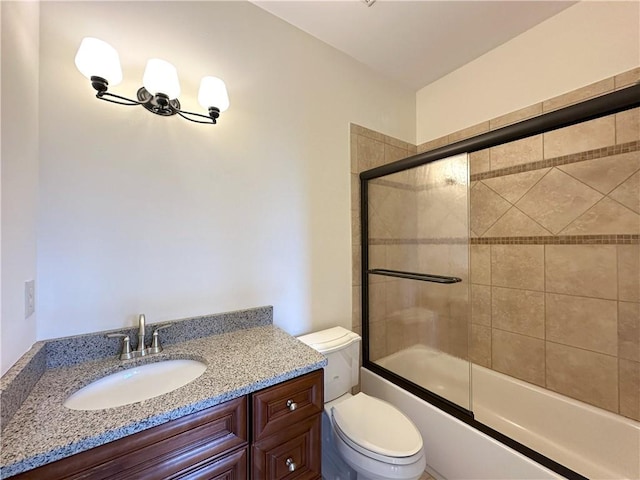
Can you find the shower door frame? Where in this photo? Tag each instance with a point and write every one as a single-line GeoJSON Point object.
{"type": "Point", "coordinates": [608, 104]}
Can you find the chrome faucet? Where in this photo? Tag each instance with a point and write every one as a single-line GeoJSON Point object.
{"type": "Point", "coordinates": [141, 349]}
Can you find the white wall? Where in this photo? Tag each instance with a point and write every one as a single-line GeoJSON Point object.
{"type": "Point", "coordinates": [19, 153]}
{"type": "Point", "coordinates": [585, 43]}
{"type": "Point", "coordinates": [140, 213]}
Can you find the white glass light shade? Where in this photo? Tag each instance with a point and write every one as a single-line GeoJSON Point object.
{"type": "Point", "coordinates": [97, 58]}
{"type": "Point", "coordinates": [161, 77]}
{"type": "Point", "coordinates": [213, 93]}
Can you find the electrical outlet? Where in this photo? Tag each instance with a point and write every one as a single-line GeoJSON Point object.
{"type": "Point", "coordinates": [29, 298]}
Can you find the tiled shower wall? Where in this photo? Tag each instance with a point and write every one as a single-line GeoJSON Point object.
{"type": "Point", "coordinates": [555, 251]}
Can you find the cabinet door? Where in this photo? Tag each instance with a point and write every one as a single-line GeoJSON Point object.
{"type": "Point", "coordinates": [279, 406]}
{"type": "Point", "coordinates": [293, 453]}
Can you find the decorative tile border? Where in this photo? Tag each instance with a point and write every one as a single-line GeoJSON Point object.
{"type": "Point", "coordinates": [617, 239]}
{"type": "Point", "coordinates": [563, 160]}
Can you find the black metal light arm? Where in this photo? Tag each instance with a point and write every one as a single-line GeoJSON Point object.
{"type": "Point", "coordinates": [159, 104]}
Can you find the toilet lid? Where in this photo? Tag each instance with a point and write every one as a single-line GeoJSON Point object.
{"type": "Point", "coordinates": [377, 426]}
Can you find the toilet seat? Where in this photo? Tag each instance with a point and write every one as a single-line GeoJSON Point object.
{"type": "Point", "coordinates": [376, 429]}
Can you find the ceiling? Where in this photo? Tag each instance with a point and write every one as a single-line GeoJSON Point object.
{"type": "Point", "coordinates": [414, 42]}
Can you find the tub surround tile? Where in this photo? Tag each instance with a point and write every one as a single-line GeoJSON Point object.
{"type": "Point", "coordinates": [236, 366]}
{"type": "Point", "coordinates": [584, 136]}
{"type": "Point", "coordinates": [479, 161]}
{"type": "Point", "coordinates": [515, 223]}
{"type": "Point", "coordinates": [517, 116]}
{"type": "Point", "coordinates": [433, 144]}
{"type": "Point", "coordinates": [629, 331]}
{"type": "Point", "coordinates": [628, 126]}
{"type": "Point", "coordinates": [518, 266]}
{"type": "Point", "coordinates": [588, 323]}
{"type": "Point", "coordinates": [607, 217]}
{"type": "Point", "coordinates": [604, 174]}
{"type": "Point", "coordinates": [557, 200]}
{"type": "Point", "coordinates": [469, 132]}
{"type": "Point", "coordinates": [353, 153]}
{"type": "Point", "coordinates": [628, 193]}
{"type": "Point", "coordinates": [513, 187]}
{"type": "Point", "coordinates": [370, 153]}
{"type": "Point", "coordinates": [486, 207]}
{"type": "Point", "coordinates": [581, 94]}
{"type": "Point", "coordinates": [584, 375]}
{"type": "Point", "coordinates": [481, 305]}
{"type": "Point", "coordinates": [515, 153]}
{"type": "Point", "coordinates": [519, 356]}
{"type": "Point", "coordinates": [583, 270]}
{"type": "Point", "coordinates": [630, 389]}
{"type": "Point", "coordinates": [480, 264]}
{"type": "Point", "coordinates": [628, 272]}
{"type": "Point", "coordinates": [480, 348]}
{"type": "Point", "coordinates": [393, 153]}
{"type": "Point", "coordinates": [627, 79]}
{"type": "Point", "coordinates": [518, 311]}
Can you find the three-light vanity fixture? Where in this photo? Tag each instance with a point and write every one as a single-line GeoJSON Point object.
{"type": "Point", "coordinates": [100, 63]}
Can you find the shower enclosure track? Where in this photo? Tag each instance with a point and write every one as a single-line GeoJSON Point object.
{"type": "Point", "coordinates": [609, 104]}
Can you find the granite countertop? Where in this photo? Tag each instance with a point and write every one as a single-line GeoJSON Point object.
{"type": "Point", "coordinates": [239, 362]}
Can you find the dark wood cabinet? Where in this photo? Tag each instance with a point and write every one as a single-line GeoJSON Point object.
{"type": "Point", "coordinates": [214, 444]}
{"type": "Point", "coordinates": [287, 429]}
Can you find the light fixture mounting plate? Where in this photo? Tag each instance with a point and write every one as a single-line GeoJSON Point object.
{"type": "Point", "coordinates": [158, 104]}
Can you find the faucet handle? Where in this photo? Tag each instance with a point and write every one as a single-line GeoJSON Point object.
{"type": "Point", "coordinates": [156, 347]}
{"type": "Point", "coordinates": [126, 353]}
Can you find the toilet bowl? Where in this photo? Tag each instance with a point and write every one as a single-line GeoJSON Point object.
{"type": "Point", "coordinates": [368, 439]}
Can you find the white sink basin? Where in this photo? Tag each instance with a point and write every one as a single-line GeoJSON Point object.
{"type": "Point", "coordinates": [135, 384]}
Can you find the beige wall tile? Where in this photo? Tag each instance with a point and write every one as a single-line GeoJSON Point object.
{"type": "Point", "coordinates": [519, 152]}
{"type": "Point", "coordinates": [355, 192]}
{"type": "Point", "coordinates": [587, 376]}
{"type": "Point", "coordinates": [356, 234]}
{"type": "Point", "coordinates": [356, 307]}
{"type": "Point", "coordinates": [480, 262]}
{"type": "Point", "coordinates": [518, 266]}
{"type": "Point", "coordinates": [393, 153]}
{"type": "Point", "coordinates": [377, 340]}
{"type": "Point", "coordinates": [629, 273]}
{"type": "Point", "coordinates": [629, 331]}
{"type": "Point", "coordinates": [481, 305]}
{"type": "Point", "coordinates": [584, 270]}
{"type": "Point", "coordinates": [469, 132]}
{"type": "Point", "coordinates": [579, 95]}
{"type": "Point", "coordinates": [518, 311]}
{"type": "Point", "coordinates": [412, 149]}
{"type": "Point", "coordinates": [377, 302]}
{"type": "Point", "coordinates": [433, 144]}
{"type": "Point", "coordinates": [519, 356]}
{"type": "Point", "coordinates": [377, 259]}
{"type": "Point", "coordinates": [366, 132]}
{"type": "Point", "coordinates": [479, 161]}
{"type": "Point", "coordinates": [607, 217]}
{"type": "Point", "coordinates": [517, 116]}
{"type": "Point", "coordinates": [627, 78]}
{"type": "Point", "coordinates": [628, 194]}
{"type": "Point", "coordinates": [486, 207]}
{"type": "Point", "coordinates": [370, 153]}
{"type": "Point", "coordinates": [583, 322]}
{"type": "Point", "coordinates": [353, 153]}
{"type": "Point", "coordinates": [513, 187]}
{"type": "Point", "coordinates": [628, 126]}
{"type": "Point", "coordinates": [557, 200]}
{"type": "Point", "coordinates": [584, 136]}
{"type": "Point", "coordinates": [630, 389]}
{"type": "Point", "coordinates": [605, 173]}
{"type": "Point", "coordinates": [356, 265]}
{"type": "Point", "coordinates": [480, 348]}
{"type": "Point", "coordinates": [514, 223]}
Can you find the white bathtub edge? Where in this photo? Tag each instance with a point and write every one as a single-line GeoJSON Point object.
{"type": "Point", "coordinates": [454, 449]}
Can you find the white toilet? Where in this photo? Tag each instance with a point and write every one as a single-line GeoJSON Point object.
{"type": "Point", "coordinates": [363, 437]}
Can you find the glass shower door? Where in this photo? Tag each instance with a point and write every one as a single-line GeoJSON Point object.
{"type": "Point", "coordinates": [417, 273]}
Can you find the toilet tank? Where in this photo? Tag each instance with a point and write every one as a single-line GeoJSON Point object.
{"type": "Point", "coordinates": [342, 349]}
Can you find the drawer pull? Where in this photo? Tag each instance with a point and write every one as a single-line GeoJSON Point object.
{"type": "Point", "coordinates": [291, 405]}
{"type": "Point", "coordinates": [290, 464]}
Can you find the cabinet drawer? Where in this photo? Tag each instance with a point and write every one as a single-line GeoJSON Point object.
{"type": "Point", "coordinates": [159, 452]}
{"type": "Point", "coordinates": [230, 467]}
{"type": "Point", "coordinates": [277, 407]}
{"type": "Point", "coordinates": [294, 453]}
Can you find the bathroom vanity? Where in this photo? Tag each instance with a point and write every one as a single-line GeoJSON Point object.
{"type": "Point", "coordinates": [254, 413]}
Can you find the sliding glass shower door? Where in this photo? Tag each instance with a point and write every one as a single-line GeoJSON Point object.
{"type": "Point", "coordinates": [418, 272]}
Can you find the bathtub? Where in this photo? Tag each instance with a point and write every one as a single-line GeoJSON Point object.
{"type": "Point", "coordinates": [586, 439]}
